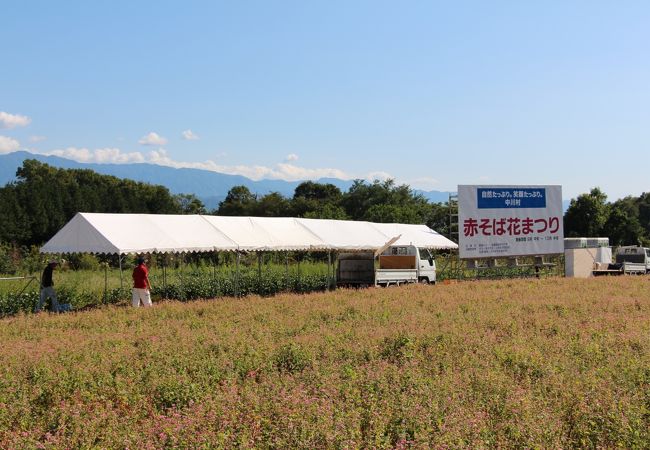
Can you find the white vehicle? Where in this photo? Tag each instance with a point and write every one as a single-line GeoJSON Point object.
{"type": "Point", "coordinates": [397, 265]}
{"type": "Point", "coordinates": [633, 259]}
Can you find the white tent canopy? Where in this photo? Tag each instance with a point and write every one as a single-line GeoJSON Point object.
{"type": "Point", "coordinates": [266, 233]}
{"type": "Point", "coordinates": [157, 233]}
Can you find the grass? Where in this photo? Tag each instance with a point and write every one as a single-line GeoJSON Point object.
{"type": "Point", "coordinates": [512, 363]}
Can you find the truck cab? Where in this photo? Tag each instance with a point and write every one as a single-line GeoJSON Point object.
{"type": "Point", "coordinates": [398, 264]}
{"type": "Point", "coordinates": [410, 257]}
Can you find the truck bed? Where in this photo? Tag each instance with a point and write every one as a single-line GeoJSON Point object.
{"type": "Point", "coordinates": [625, 268]}
{"type": "Point", "coordinates": [634, 268]}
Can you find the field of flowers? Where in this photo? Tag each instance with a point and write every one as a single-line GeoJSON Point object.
{"type": "Point", "coordinates": [512, 363]}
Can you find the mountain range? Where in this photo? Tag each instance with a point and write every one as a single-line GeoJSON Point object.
{"type": "Point", "coordinates": [211, 187]}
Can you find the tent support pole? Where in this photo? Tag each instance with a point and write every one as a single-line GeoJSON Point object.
{"type": "Point", "coordinates": [165, 275]}
{"type": "Point", "coordinates": [286, 268]}
{"type": "Point", "coordinates": [182, 266]}
{"type": "Point", "coordinates": [216, 264]}
{"type": "Point", "coordinates": [259, 271]}
{"type": "Point", "coordinates": [237, 275]}
{"type": "Point", "coordinates": [105, 283]}
{"type": "Point", "coordinates": [329, 263]}
{"type": "Point", "coordinates": [121, 279]}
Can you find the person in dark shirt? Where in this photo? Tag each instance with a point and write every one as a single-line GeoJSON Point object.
{"type": "Point", "coordinates": [47, 288]}
{"type": "Point", "coordinates": [141, 284]}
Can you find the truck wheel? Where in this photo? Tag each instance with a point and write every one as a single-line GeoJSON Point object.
{"type": "Point", "coordinates": [424, 280]}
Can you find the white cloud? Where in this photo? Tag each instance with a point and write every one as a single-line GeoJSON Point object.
{"type": "Point", "coordinates": [426, 183]}
{"type": "Point", "coordinates": [291, 157]}
{"type": "Point", "coordinates": [294, 173]}
{"type": "Point", "coordinates": [189, 135]}
{"type": "Point", "coordinates": [37, 138]}
{"type": "Point", "coordinates": [381, 176]}
{"type": "Point", "coordinates": [13, 120]}
{"type": "Point", "coordinates": [280, 171]}
{"type": "Point", "coordinates": [8, 145]}
{"type": "Point", "coordinates": [100, 155]}
{"type": "Point", "coordinates": [152, 139]}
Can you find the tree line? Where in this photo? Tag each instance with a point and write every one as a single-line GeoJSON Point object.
{"type": "Point", "coordinates": [44, 198]}
{"type": "Point", "coordinates": [625, 221]}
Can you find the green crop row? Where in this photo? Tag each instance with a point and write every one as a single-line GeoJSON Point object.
{"type": "Point", "coordinates": [189, 287]}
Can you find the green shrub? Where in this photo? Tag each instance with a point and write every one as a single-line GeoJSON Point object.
{"type": "Point", "coordinates": [84, 261]}
{"type": "Point", "coordinates": [397, 349]}
{"type": "Point", "coordinates": [174, 393]}
{"type": "Point", "coordinates": [291, 358]}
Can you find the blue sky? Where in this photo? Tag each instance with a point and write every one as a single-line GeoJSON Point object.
{"type": "Point", "coordinates": [433, 94]}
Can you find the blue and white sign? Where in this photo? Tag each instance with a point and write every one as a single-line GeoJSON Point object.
{"type": "Point", "coordinates": [493, 198]}
{"type": "Point", "coordinates": [497, 221]}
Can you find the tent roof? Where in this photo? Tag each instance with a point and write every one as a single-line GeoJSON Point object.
{"type": "Point", "coordinates": [151, 233]}
{"type": "Point", "coordinates": [267, 233]}
{"type": "Point", "coordinates": [346, 234]}
{"type": "Point", "coordinates": [419, 235]}
{"type": "Point", "coordinates": [137, 233]}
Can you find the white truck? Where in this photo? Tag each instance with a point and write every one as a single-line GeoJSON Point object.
{"type": "Point", "coordinates": [633, 259]}
{"type": "Point", "coordinates": [397, 265]}
{"type": "Point", "coordinates": [630, 260]}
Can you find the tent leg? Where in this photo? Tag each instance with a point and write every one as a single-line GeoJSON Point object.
{"type": "Point", "coordinates": [105, 283]}
{"type": "Point", "coordinates": [121, 279]}
{"type": "Point", "coordinates": [259, 272]}
{"type": "Point", "coordinates": [165, 277]}
{"type": "Point", "coordinates": [334, 271]}
{"type": "Point", "coordinates": [237, 275]}
{"type": "Point", "coordinates": [329, 264]}
{"type": "Point", "coordinates": [182, 266]}
{"type": "Point", "coordinates": [217, 291]}
{"type": "Point", "coordinates": [286, 269]}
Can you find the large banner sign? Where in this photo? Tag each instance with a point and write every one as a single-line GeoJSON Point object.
{"type": "Point", "coordinates": [496, 221]}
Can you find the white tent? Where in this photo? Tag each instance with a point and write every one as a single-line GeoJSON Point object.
{"type": "Point", "coordinates": [155, 233]}
{"type": "Point", "coordinates": [137, 233]}
{"type": "Point", "coordinates": [346, 234]}
{"type": "Point", "coordinates": [419, 235]}
{"type": "Point", "coordinates": [267, 233]}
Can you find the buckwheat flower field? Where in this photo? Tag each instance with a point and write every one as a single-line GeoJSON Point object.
{"type": "Point", "coordinates": [513, 363]}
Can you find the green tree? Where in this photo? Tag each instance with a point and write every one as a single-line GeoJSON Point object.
{"type": "Point", "coordinates": [327, 211]}
{"type": "Point", "coordinates": [272, 205]}
{"type": "Point", "coordinates": [587, 215]}
{"type": "Point", "coordinates": [622, 226]}
{"type": "Point", "coordinates": [384, 201]}
{"type": "Point", "coordinates": [190, 204]}
{"type": "Point", "coordinates": [437, 217]}
{"type": "Point", "coordinates": [239, 201]}
{"type": "Point", "coordinates": [44, 198]}
{"type": "Point", "coordinates": [643, 205]}
{"type": "Point", "coordinates": [317, 200]}
{"type": "Point", "coordinates": [325, 192]}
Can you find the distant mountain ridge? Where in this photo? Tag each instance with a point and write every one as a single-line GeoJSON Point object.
{"type": "Point", "coordinates": [211, 187]}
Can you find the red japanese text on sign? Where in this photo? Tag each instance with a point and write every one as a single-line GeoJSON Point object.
{"type": "Point", "coordinates": [512, 226]}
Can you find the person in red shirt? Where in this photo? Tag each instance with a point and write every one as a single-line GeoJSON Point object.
{"type": "Point", "coordinates": [141, 285]}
